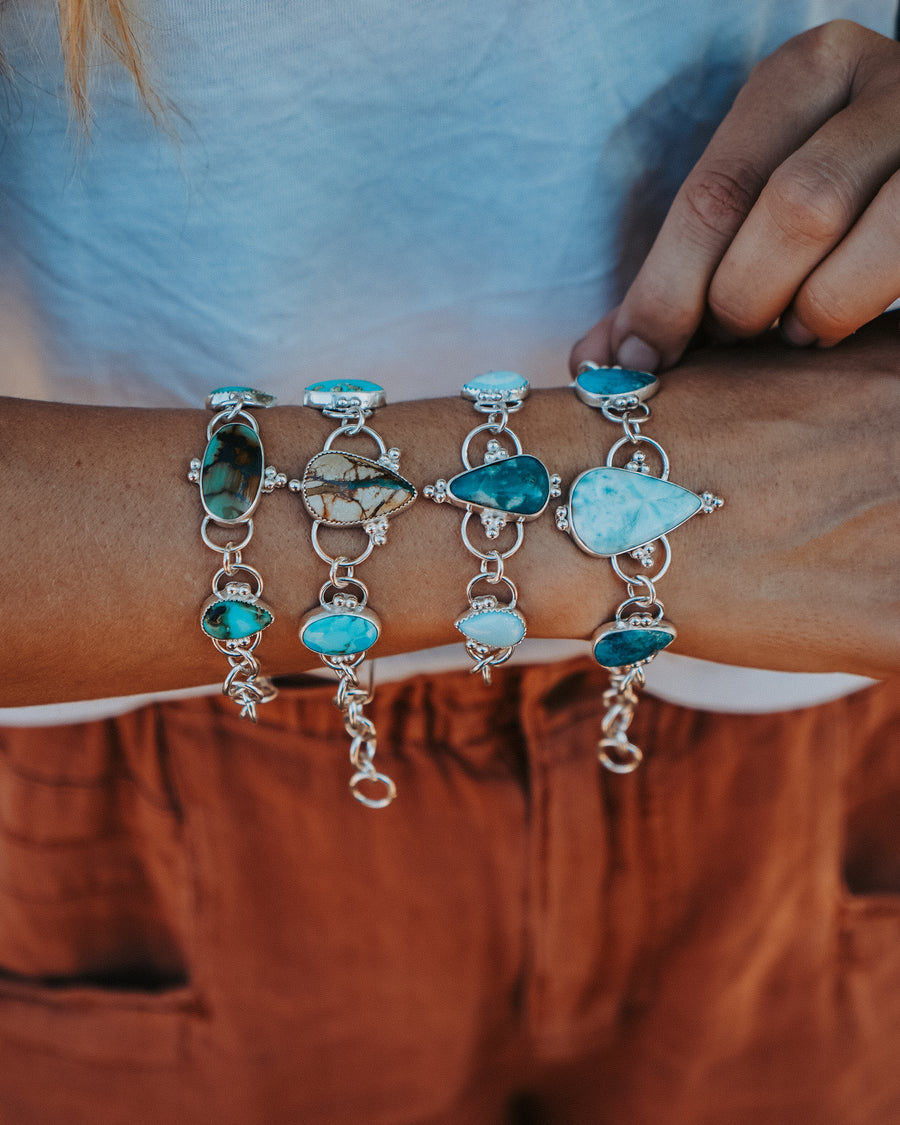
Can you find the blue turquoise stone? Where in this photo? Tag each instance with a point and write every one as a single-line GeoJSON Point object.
{"type": "Point", "coordinates": [518, 485]}
{"type": "Point", "coordinates": [623, 646]}
{"type": "Point", "coordinates": [610, 382]}
{"type": "Point", "coordinates": [339, 634]}
{"type": "Point", "coordinates": [616, 510]}
{"type": "Point", "coordinates": [345, 386]}
{"type": "Point", "coordinates": [497, 628]}
{"type": "Point", "coordinates": [501, 383]}
{"type": "Point", "coordinates": [233, 620]}
{"type": "Point", "coordinates": [231, 475]}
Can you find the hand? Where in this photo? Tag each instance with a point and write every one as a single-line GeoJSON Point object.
{"type": "Point", "coordinates": [791, 212]}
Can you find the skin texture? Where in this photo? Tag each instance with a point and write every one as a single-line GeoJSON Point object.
{"type": "Point", "coordinates": [791, 212]}
{"type": "Point", "coordinates": [795, 572]}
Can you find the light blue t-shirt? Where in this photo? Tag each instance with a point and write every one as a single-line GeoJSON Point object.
{"type": "Point", "coordinates": [410, 191]}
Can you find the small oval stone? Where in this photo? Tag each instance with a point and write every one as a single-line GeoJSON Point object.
{"type": "Point", "coordinates": [332, 633]}
{"type": "Point", "coordinates": [233, 620]}
{"type": "Point", "coordinates": [334, 394]}
{"type": "Point", "coordinates": [595, 384]}
{"type": "Point", "coordinates": [625, 645]}
{"type": "Point", "coordinates": [504, 386]}
{"type": "Point", "coordinates": [498, 628]}
{"type": "Point", "coordinates": [231, 474]}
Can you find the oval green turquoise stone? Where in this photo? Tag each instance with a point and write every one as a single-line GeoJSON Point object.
{"type": "Point", "coordinates": [231, 475]}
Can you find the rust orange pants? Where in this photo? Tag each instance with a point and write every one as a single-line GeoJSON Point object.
{"type": "Point", "coordinates": [199, 925]}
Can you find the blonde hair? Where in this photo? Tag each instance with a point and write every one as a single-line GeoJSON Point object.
{"type": "Point", "coordinates": [83, 26]}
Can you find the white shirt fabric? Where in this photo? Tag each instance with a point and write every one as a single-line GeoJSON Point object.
{"type": "Point", "coordinates": [411, 192]}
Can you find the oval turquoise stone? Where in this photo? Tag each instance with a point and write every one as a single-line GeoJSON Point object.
{"type": "Point", "coordinates": [519, 485]}
{"type": "Point", "coordinates": [231, 475]}
{"type": "Point", "coordinates": [496, 382]}
{"type": "Point", "coordinates": [621, 647]}
{"type": "Point", "coordinates": [339, 634]}
{"type": "Point", "coordinates": [609, 382]}
{"type": "Point", "coordinates": [498, 628]}
{"type": "Point", "coordinates": [233, 620]}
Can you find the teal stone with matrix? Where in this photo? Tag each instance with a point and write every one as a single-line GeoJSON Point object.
{"type": "Point", "coordinates": [518, 485]}
{"type": "Point", "coordinates": [502, 386]}
{"type": "Point", "coordinates": [231, 473]}
{"type": "Point", "coordinates": [623, 645]}
{"type": "Point", "coordinates": [233, 620]}
{"type": "Point", "coordinates": [339, 633]}
{"type": "Point", "coordinates": [612, 511]}
{"type": "Point", "coordinates": [596, 385]}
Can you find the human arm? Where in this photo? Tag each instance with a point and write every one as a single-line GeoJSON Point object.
{"type": "Point", "coordinates": [106, 571]}
{"type": "Point", "coordinates": [790, 212]}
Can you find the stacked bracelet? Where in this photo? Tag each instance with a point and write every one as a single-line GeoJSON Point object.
{"type": "Point", "coordinates": [232, 476]}
{"type": "Point", "coordinates": [506, 488]}
{"type": "Point", "coordinates": [616, 512]}
{"type": "Point", "coordinates": [341, 489]}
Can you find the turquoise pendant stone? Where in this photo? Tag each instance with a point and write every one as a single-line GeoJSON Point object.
{"type": "Point", "coordinates": [499, 386]}
{"type": "Point", "coordinates": [595, 384]}
{"type": "Point", "coordinates": [496, 628]}
{"type": "Point", "coordinates": [336, 633]}
{"type": "Point", "coordinates": [615, 510]}
{"type": "Point", "coordinates": [517, 485]}
{"type": "Point", "coordinates": [342, 394]}
{"type": "Point", "coordinates": [231, 475]}
{"type": "Point", "coordinates": [619, 646]}
{"type": "Point", "coordinates": [233, 620]}
{"type": "Point", "coordinates": [246, 396]}
{"type": "Point", "coordinates": [345, 490]}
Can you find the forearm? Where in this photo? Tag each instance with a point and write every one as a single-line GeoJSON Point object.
{"type": "Point", "coordinates": [107, 571]}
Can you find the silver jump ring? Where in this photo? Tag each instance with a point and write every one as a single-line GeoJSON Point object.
{"type": "Point", "coordinates": [639, 439]}
{"type": "Point", "coordinates": [646, 580]}
{"type": "Point", "coordinates": [223, 573]}
{"type": "Point", "coordinates": [230, 545]}
{"type": "Point", "coordinates": [510, 585]}
{"type": "Point", "coordinates": [630, 758]}
{"type": "Point", "coordinates": [342, 584]}
{"type": "Point", "coordinates": [375, 778]}
{"type": "Point", "coordinates": [352, 431]}
{"type": "Point", "coordinates": [486, 428]}
{"type": "Point", "coordinates": [370, 547]}
{"type": "Point", "coordinates": [520, 535]}
{"type": "Point", "coordinates": [230, 414]}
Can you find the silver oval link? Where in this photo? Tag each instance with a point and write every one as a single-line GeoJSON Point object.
{"type": "Point", "coordinates": [352, 431]}
{"type": "Point", "coordinates": [486, 428]}
{"type": "Point", "coordinates": [642, 578]}
{"type": "Point", "coordinates": [640, 439]}
{"type": "Point", "coordinates": [520, 535]}
{"type": "Point", "coordinates": [230, 545]}
{"type": "Point", "coordinates": [246, 569]}
{"type": "Point", "coordinates": [325, 557]}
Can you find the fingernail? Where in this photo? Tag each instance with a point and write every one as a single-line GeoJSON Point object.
{"type": "Point", "coordinates": [637, 355]}
{"type": "Point", "coordinates": [795, 332]}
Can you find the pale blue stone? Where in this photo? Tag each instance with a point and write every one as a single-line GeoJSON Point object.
{"type": "Point", "coordinates": [620, 647]}
{"type": "Point", "coordinates": [497, 628]}
{"type": "Point", "coordinates": [613, 381]}
{"type": "Point", "coordinates": [518, 485]}
{"type": "Point", "coordinates": [496, 382]}
{"type": "Point", "coordinates": [616, 510]}
{"type": "Point", "coordinates": [233, 620]}
{"type": "Point", "coordinates": [339, 634]}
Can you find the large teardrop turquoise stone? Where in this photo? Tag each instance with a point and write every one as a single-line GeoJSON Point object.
{"type": "Point", "coordinates": [339, 634]}
{"type": "Point", "coordinates": [233, 620]}
{"type": "Point", "coordinates": [517, 485]}
{"type": "Point", "coordinates": [345, 489]}
{"type": "Point", "coordinates": [615, 510]}
{"type": "Point", "coordinates": [231, 475]}
{"type": "Point", "coordinates": [625, 645]}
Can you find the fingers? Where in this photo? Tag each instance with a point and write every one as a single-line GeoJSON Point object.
{"type": "Point", "coordinates": [792, 199]}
